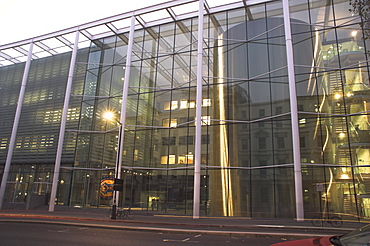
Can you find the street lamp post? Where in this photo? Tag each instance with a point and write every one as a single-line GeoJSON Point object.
{"type": "Point", "coordinates": [117, 171]}
{"type": "Point", "coordinates": [122, 120]}
{"type": "Point", "coordinates": [117, 174]}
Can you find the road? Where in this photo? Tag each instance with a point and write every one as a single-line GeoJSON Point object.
{"type": "Point", "coordinates": [46, 234]}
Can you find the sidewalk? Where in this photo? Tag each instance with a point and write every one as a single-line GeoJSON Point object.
{"type": "Point", "coordinates": [235, 226]}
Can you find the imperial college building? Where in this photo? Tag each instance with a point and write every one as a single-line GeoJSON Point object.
{"type": "Point", "coordinates": [253, 108]}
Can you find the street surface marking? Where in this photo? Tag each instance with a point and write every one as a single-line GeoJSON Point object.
{"type": "Point", "coordinates": [186, 240]}
{"type": "Point", "coordinates": [60, 231]}
{"type": "Point", "coordinates": [181, 241]}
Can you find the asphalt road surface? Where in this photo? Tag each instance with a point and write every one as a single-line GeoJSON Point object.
{"type": "Point", "coordinates": [26, 234]}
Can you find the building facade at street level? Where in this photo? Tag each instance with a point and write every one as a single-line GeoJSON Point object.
{"type": "Point", "coordinates": [266, 116]}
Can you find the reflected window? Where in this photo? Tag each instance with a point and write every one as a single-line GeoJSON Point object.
{"type": "Point", "coordinates": [183, 120]}
{"type": "Point", "coordinates": [186, 159]}
{"type": "Point", "coordinates": [171, 105]}
{"type": "Point", "coordinates": [263, 172]}
{"type": "Point", "coordinates": [279, 110]}
{"type": "Point", "coordinates": [170, 159]}
{"type": "Point", "coordinates": [245, 143]}
{"type": "Point", "coordinates": [261, 114]}
{"type": "Point", "coordinates": [189, 158]}
{"type": "Point", "coordinates": [279, 123]}
{"type": "Point", "coordinates": [206, 120]}
{"type": "Point", "coordinates": [4, 143]}
{"type": "Point", "coordinates": [174, 105]}
{"type": "Point", "coordinates": [169, 141]}
{"type": "Point", "coordinates": [184, 104]}
{"type": "Point", "coordinates": [167, 106]}
{"type": "Point", "coordinates": [182, 159]}
{"type": "Point", "coordinates": [281, 142]}
{"type": "Point", "coordinates": [264, 191]}
{"type": "Point", "coordinates": [302, 142]}
{"type": "Point", "coordinates": [206, 102]}
{"type": "Point", "coordinates": [262, 143]}
{"type": "Point", "coordinates": [204, 159]}
{"type": "Point", "coordinates": [186, 140]}
{"type": "Point", "coordinates": [169, 122]}
{"type": "Point", "coordinates": [302, 122]}
{"type": "Point", "coordinates": [206, 139]}
{"type": "Point", "coordinates": [244, 114]}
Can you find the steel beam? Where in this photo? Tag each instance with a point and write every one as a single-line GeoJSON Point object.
{"type": "Point", "coordinates": [142, 11]}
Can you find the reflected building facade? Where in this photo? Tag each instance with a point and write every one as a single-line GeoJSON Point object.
{"type": "Point", "coordinates": [246, 143]}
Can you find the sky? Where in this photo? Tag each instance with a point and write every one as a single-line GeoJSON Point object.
{"type": "Point", "coordinates": [22, 19]}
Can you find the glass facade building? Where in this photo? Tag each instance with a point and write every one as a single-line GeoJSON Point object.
{"type": "Point", "coordinates": [272, 133]}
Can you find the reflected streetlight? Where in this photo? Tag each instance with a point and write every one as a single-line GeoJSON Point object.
{"type": "Point", "coordinates": [110, 116]}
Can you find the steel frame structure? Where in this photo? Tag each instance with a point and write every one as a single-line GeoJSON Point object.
{"type": "Point", "coordinates": [60, 42]}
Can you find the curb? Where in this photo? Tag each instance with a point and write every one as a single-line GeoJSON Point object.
{"type": "Point", "coordinates": [72, 218]}
{"type": "Point", "coordinates": [169, 230]}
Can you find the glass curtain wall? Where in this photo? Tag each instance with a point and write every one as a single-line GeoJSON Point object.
{"type": "Point", "coordinates": [333, 104]}
{"type": "Point", "coordinates": [245, 117]}
{"type": "Point", "coordinates": [246, 151]}
{"type": "Point", "coordinates": [93, 170]}
{"type": "Point", "coordinates": [37, 137]}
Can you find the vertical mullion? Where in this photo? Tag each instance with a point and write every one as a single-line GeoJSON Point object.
{"type": "Point", "coordinates": [136, 122]}
{"type": "Point", "coordinates": [294, 113]}
{"type": "Point", "coordinates": [198, 114]}
{"type": "Point", "coordinates": [124, 102]}
{"type": "Point", "coordinates": [15, 125]}
{"type": "Point", "coordinates": [187, 120]}
{"type": "Point", "coordinates": [273, 146]}
{"type": "Point", "coordinates": [155, 68]}
{"type": "Point", "coordinates": [63, 124]}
